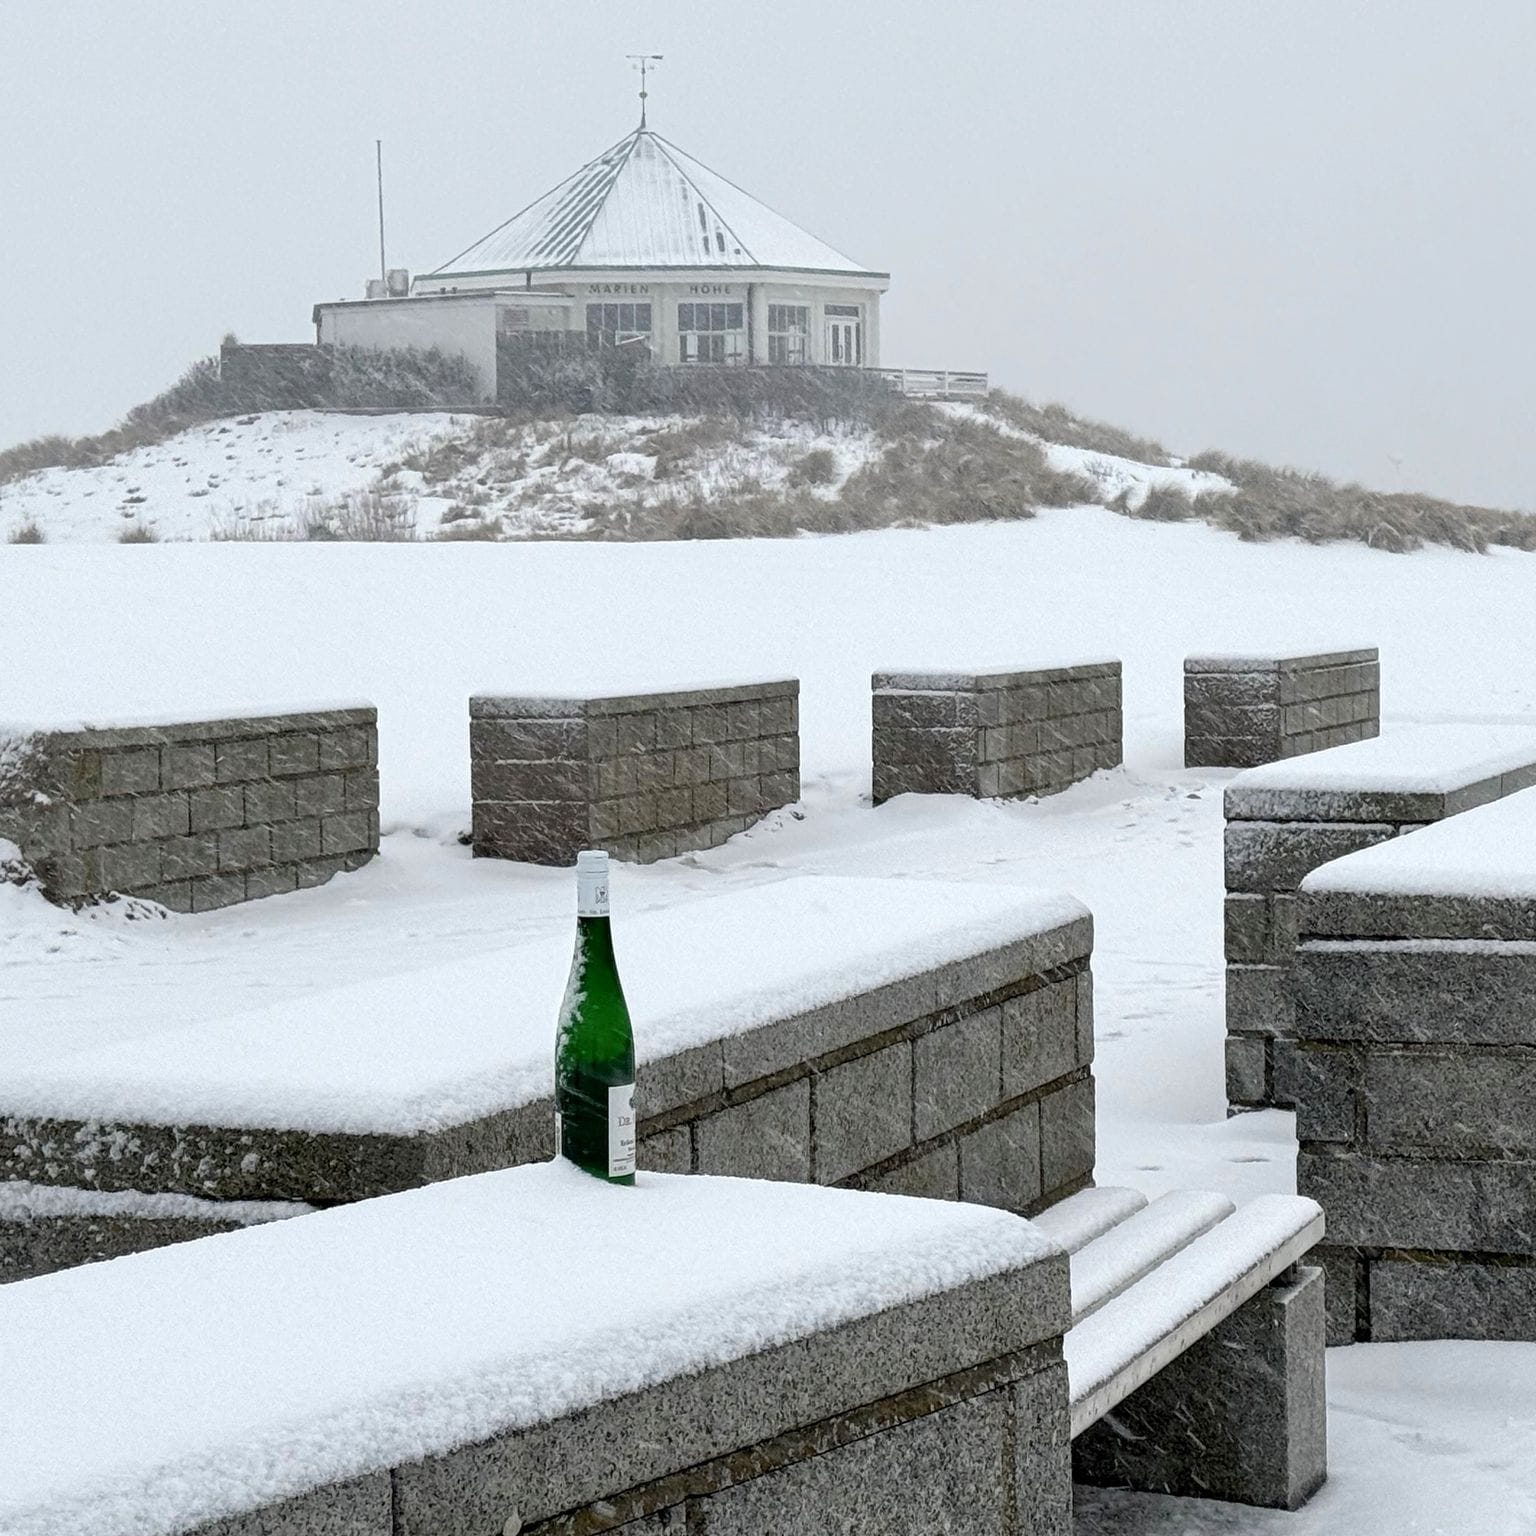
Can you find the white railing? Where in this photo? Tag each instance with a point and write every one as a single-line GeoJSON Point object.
{"type": "Point", "coordinates": [934, 383]}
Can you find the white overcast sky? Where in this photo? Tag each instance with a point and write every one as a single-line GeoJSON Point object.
{"type": "Point", "coordinates": [1299, 229]}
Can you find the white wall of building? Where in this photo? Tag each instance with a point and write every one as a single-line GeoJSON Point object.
{"type": "Point", "coordinates": [664, 290]}
{"type": "Point", "coordinates": [462, 326]}
{"type": "Point", "coordinates": [463, 321]}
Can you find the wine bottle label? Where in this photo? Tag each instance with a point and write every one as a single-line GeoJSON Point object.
{"type": "Point", "coordinates": [621, 1130]}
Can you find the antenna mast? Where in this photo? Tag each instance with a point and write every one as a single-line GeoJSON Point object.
{"type": "Point", "coordinates": [378, 152]}
{"type": "Point", "coordinates": [643, 62]}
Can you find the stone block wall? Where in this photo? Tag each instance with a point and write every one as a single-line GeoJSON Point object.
{"type": "Point", "coordinates": [1240, 711]}
{"type": "Point", "coordinates": [196, 815]}
{"type": "Point", "coordinates": [998, 734]}
{"type": "Point", "coordinates": [646, 776]}
{"type": "Point", "coordinates": [971, 1080]}
{"type": "Point", "coordinates": [1279, 829]}
{"type": "Point", "coordinates": [906, 1417]}
{"type": "Point", "coordinates": [1415, 1076]}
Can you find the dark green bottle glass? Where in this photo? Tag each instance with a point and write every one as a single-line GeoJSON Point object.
{"type": "Point", "coordinates": [595, 1045]}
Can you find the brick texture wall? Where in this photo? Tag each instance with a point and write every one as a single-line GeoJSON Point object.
{"type": "Point", "coordinates": [994, 734]}
{"type": "Point", "coordinates": [646, 776]}
{"type": "Point", "coordinates": [198, 815]}
{"type": "Point", "coordinates": [1275, 837]}
{"type": "Point", "coordinates": [1240, 711]}
{"type": "Point", "coordinates": [1415, 1069]}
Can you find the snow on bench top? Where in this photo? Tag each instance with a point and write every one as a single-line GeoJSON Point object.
{"type": "Point", "coordinates": [189, 1383]}
{"type": "Point", "coordinates": [1489, 851]}
{"type": "Point", "coordinates": [453, 1043]}
{"type": "Point", "coordinates": [1425, 759]}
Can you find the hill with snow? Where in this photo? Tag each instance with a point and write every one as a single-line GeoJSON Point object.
{"type": "Point", "coordinates": [288, 475]}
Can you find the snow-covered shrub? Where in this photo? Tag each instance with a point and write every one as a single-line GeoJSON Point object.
{"type": "Point", "coordinates": [28, 533]}
{"type": "Point", "coordinates": [674, 446]}
{"type": "Point", "coordinates": [399, 377]}
{"type": "Point", "coordinates": [1161, 504]}
{"type": "Point", "coordinates": [469, 530]}
{"type": "Point", "coordinates": [1055, 423]}
{"type": "Point", "coordinates": [14, 870]}
{"type": "Point", "coordinates": [558, 372]}
{"type": "Point", "coordinates": [818, 467]}
{"type": "Point", "coordinates": [138, 533]}
{"type": "Point", "coordinates": [369, 517]}
{"type": "Point", "coordinates": [967, 471]}
{"type": "Point", "coordinates": [1271, 503]}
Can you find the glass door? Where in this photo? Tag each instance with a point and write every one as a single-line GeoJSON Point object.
{"type": "Point", "coordinates": [845, 336]}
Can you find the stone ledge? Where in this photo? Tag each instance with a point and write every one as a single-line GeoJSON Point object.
{"type": "Point", "coordinates": [888, 1369]}
{"type": "Point", "coordinates": [990, 682]}
{"type": "Point", "coordinates": [524, 706]}
{"type": "Point", "coordinates": [110, 737]}
{"type": "Point", "coordinates": [1273, 662]}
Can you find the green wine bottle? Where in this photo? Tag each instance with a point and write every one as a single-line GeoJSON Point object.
{"type": "Point", "coordinates": [595, 1045]}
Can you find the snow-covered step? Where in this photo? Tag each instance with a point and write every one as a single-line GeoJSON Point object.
{"type": "Point", "coordinates": [489, 1352]}
{"type": "Point", "coordinates": [1077, 1220]}
{"type": "Point", "coordinates": [1115, 1261]}
{"type": "Point", "coordinates": [1131, 1337]}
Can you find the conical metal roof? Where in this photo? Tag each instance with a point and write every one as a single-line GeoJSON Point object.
{"type": "Point", "coordinates": [645, 203]}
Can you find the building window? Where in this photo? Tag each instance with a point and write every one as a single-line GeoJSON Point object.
{"type": "Point", "coordinates": [619, 325]}
{"type": "Point", "coordinates": [711, 333]}
{"type": "Point", "coordinates": [845, 335]}
{"type": "Point", "coordinates": [789, 329]}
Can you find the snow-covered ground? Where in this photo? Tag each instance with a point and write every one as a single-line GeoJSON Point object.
{"type": "Point", "coordinates": [429, 474]}
{"type": "Point", "coordinates": [1425, 1438]}
{"type": "Point", "coordinates": [225, 477]}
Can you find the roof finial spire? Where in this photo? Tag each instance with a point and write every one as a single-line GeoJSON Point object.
{"type": "Point", "coordinates": [643, 62]}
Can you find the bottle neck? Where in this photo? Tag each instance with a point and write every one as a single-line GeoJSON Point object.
{"type": "Point", "coordinates": [591, 894]}
{"type": "Point", "coordinates": [595, 932]}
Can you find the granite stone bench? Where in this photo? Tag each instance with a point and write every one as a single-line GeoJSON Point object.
{"type": "Point", "coordinates": [1285, 819]}
{"type": "Point", "coordinates": [1241, 711]}
{"type": "Point", "coordinates": [994, 734]}
{"type": "Point", "coordinates": [646, 776]}
{"type": "Point", "coordinates": [1416, 1078]}
{"type": "Point", "coordinates": [197, 814]}
{"type": "Point", "coordinates": [535, 1352]}
{"type": "Point", "coordinates": [1195, 1356]}
{"type": "Point", "coordinates": [918, 1037]}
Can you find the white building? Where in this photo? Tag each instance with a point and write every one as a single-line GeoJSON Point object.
{"type": "Point", "coordinates": [643, 246]}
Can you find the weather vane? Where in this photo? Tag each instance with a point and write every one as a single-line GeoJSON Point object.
{"type": "Point", "coordinates": [643, 62]}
